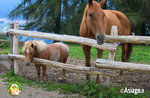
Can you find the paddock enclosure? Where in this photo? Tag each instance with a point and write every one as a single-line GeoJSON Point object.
{"type": "Point", "coordinates": [105, 68]}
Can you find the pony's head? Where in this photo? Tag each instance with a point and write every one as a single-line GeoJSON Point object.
{"type": "Point", "coordinates": [32, 49]}
{"type": "Point", "coordinates": [94, 17]}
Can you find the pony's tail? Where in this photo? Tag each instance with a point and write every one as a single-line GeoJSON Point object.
{"type": "Point", "coordinates": [129, 50]}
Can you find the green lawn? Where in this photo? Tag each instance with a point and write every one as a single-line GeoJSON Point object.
{"type": "Point", "coordinates": [140, 54]}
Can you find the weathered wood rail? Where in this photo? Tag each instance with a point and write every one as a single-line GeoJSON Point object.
{"type": "Point", "coordinates": [81, 40]}
{"type": "Point", "coordinates": [70, 67]}
{"type": "Point", "coordinates": [128, 39]}
{"type": "Point", "coordinates": [107, 64]}
{"type": "Point", "coordinates": [66, 38]}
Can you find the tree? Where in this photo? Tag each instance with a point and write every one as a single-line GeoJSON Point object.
{"type": "Point", "coordinates": [41, 15]}
{"type": "Point", "coordinates": [58, 16]}
{"type": "Point", "coordinates": [136, 10]}
{"type": "Point", "coordinates": [64, 16]}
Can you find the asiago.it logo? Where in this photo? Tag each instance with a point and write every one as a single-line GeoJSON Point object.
{"type": "Point", "coordinates": [14, 88]}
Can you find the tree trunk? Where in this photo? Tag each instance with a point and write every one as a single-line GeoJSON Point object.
{"type": "Point", "coordinates": [104, 6]}
{"type": "Point", "coordinates": [58, 20]}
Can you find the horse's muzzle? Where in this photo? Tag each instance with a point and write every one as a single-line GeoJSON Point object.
{"type": "Point", "coordinates": [100, 38]}
{"type": "Point", "coordinates": [27, 63]}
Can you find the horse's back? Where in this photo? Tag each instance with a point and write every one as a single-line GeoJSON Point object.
{"type": "Point", "coordinates": [58, 51]}
{"type": "Point", "coordinates": [113, 17]}
{"type": "Point", "coordinates": [62, 47]}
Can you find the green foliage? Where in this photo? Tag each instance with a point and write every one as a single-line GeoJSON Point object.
{"type": "Point", "coordinates": [137, 11]}
{"type": "Point", "coordinates": [64, 16]}
{"type": "Point", "coordinates": [5, 48]}
{"type": "Point", "coordinates": [3, 37]}
{"type": "Point", "coordinates": [4, 45]}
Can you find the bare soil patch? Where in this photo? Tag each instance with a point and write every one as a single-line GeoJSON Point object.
{"type": "Point", "coordinates": [131, 79]}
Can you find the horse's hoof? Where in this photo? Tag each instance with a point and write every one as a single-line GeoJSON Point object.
{"type": "Point", "coordinates": [119, 80]}
{"type": "Point", "coordinates": [44, 80]}
{"type": "Point", "coordinates": [62, 79]}
{"type": "Point", "coordinates": [63, 76]}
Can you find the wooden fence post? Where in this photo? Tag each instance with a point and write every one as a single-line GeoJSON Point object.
{"type": "Point", "coordinates": [114, 32]}
{"type": "Point", "coordinates": [14, 47]}
{"type": "Point", "coordinates": [112, 55]}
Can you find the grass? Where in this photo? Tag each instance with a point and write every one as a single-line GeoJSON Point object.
{"type": "Point", "coordinates": [140, 54]}
{"type": "Point", "coordinates": [88, 89]}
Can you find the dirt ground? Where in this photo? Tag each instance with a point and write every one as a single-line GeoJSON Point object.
{"type": "Point", "coordinates": [131, 79]}
{"type": "Point", "coordinates": [28, 91]}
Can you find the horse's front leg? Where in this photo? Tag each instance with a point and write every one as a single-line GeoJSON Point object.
{"type": "Point", "coordinates": [44, 72]}
{"type": "Point", "coordinates": [124, 59]}
{"type": "Point", "coordinates": [99, 55]}
{"type": "Point", "coordinates": [38, 71]}
{"type": "Point", "coordinates": [86, 50]}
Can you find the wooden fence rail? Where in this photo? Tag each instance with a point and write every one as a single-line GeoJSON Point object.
{"type": "Point", "coordinates": [81, 40]}
{"type": "Point", "coordinates": [128, 39]}
{"type": "Point", "coordinates": [70, 67]}
{"type": "Point", "coordinates": [66, 38]}
{"type": "Point", "coordinates": [107, 64]}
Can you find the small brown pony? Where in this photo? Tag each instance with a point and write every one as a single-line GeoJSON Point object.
{"type": "Point", "coordinates": [55, 52]}
{"type": "Point", "coordinates": [96, 23]}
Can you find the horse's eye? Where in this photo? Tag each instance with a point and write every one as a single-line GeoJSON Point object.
{"type": "Point", "coordinates": [90, 14]}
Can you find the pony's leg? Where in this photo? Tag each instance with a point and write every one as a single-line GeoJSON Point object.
{"type": "Point", "coordinates": [64, 60]}
{"type": "Point", "coordinates": [124, 59]}
{"type": "Point", "coordinates": [63, 73]}
{"type": "Point", "coordinates": [38, 71]}
{"type": "Point", "coordinates": [99, 55]}
{"type": "Point", "coordinates": [44, 72]}
{"type": "Point", "coordinates": [86, 50]}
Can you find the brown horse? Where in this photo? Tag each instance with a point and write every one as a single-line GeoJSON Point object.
{"type": "Point", "coordinates": [96, 23]}
{"type": "Point", "coordinates": [55, 52]}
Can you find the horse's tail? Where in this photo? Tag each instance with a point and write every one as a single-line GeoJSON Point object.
{"type": "Point", "coordinates": [129, 50]}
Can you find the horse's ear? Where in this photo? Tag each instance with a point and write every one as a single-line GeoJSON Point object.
{"type": "Point", "coordinates": [102, 2]}
{"type": "Point", "coordinates": [90, 2]}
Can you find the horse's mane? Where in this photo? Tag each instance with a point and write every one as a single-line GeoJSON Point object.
{"type": "Point", "coordinates": [39, 44]}
{"type": "Point", "coordinates": [84, 14]}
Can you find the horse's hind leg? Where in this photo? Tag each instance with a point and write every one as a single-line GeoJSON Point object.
{"type": "Point", "coordinates": [124, 59]}
{"type": "Point", "coordinates": [38, 71]}
{"type": "Point", "coordinates": [44, 72]}
{"type": "Point", "coordinates": [86, 50]}
{"type": "Point", "coordinates": [99, 55]}
{"type": "Point", "coordinates": [63, 73]}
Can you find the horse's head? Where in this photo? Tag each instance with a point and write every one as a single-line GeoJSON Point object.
{"type": "Point", "coordinates": [95, 19]}
{"type": "Point", "coordinates": [30, 52]}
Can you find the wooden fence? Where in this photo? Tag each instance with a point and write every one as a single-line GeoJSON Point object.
{"type": "Point", "coordinates": [108, 64]}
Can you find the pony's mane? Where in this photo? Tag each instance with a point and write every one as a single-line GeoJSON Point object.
{"type": "Point", "coordinates": [39, 44]}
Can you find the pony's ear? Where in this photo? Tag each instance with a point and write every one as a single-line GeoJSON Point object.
{"type": "Point", "coordinates": [102, 3]}
{"type": "Point", "coordinates": [32, 45]}
{"type": "Point", "coordinates": [90, 2]}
